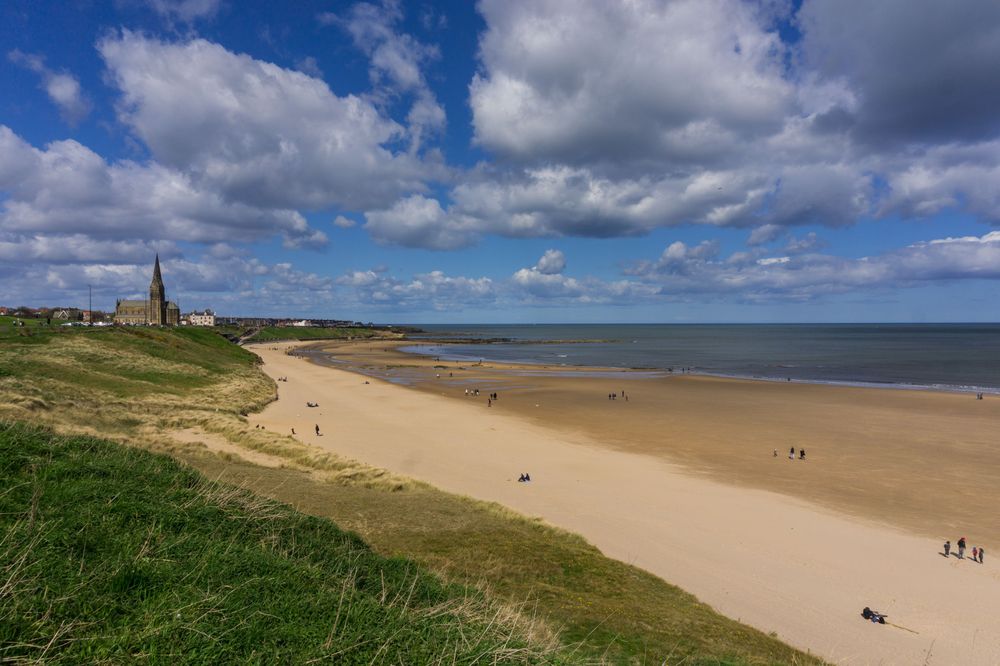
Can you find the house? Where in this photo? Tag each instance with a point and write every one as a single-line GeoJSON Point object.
{"type": "Point", "coordinates": [206, 318]}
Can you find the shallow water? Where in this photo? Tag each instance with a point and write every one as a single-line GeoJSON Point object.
{"type": "Point", "coordinates": [941, 356]}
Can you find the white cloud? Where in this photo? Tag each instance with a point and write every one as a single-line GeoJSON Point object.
{"type": "Point", "coordinates": [640, 80]}
{"type": "Point", "coordinates": [551, 263]}
{"type": "Point", "coordinates": [418, 221]}
{"type": "Point", "coordinates": [343, 222]}
{"type": "Point", "coordinates": [68, 189]}
{"type": "Point", "coordinates": [683, 272]}
{"type": "Point", "coordinates": [613, 119]}
{"type": "Point", "coordinates": [78, 248]}
{"type": "Point", "coordinates": [254, 132]}
{"type": "Point", "coordinates": [434, 290]}
{"type": "Point", "coordinates": [62, 88]}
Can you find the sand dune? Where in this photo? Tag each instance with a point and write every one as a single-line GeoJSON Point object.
{"type": "Point", "coordinates": [780, 564]}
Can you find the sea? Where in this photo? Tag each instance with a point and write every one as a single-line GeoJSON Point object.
{"type": "Point", "coordinates": [950, 357]}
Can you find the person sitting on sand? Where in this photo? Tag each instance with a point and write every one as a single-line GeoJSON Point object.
{"type": "Point", "coordinates": [520, 479]}
{"type": "Point", "coordinates": [776, 453]}
{"type": "Point", "coordinates": [293, 431]}
{"type": "Point", "coordinates": [527, 477]}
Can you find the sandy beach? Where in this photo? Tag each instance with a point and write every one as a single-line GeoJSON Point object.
{"type": "Point", "coordinates": [685, 485]}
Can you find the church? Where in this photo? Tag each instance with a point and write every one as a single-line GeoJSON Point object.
{"type": "Point", "coordinates": [157, 311]}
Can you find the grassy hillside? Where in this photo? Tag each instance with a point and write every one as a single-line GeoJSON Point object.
{"type": "Point", "coordinates": [114, 554]}
{"type": "Point", "coordinates": [142, 385]}
{"type": "Point", "coordinates": [128, 382]}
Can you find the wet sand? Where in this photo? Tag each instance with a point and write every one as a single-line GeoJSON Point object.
{"type": "Point", "coordinates": [663, 481]}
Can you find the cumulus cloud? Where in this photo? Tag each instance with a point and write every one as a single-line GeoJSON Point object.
{"type": "Point", "coordinates": [418, 221]}
{"type": "Point", "coordinates": [682, 271]}
{"type": "Point", "coordinates": [551, 263]}
{"type": "Point", "coordinates": [690, 70]}
{"type": "Point", "coordinates": [254, 132]}
{"type": "Point", "coordinates": [62, 88]}
{"type": "Point", "coordinates": [66, 188]}
{"type": "Point", "coordinates": [434, 290]}
{"type": "Point", "coordinates": [78, 248]}
{"type": "Point", "coordinates": [614, 119]}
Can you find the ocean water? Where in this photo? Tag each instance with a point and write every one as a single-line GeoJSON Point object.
{"type": "Point", "coordinates": [942, 356]}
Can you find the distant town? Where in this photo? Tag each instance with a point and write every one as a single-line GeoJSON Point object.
{"type": "Point", "coordinates": [158, 311]}
{"type": "Point", "coordinates": [80, 317]}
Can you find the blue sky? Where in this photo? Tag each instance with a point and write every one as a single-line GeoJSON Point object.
{"type": "Point", "coordinates": [521, 161]}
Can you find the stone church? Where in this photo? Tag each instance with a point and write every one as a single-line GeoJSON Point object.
{"type": "Point", "coordinates": [157, 311]}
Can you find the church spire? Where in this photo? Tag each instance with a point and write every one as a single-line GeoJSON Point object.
{"type": "Point", "coordinates": [157, 297]}
{"type": "Point", "coordinates": [156, 270]}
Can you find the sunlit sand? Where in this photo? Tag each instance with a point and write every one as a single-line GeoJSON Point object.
{"type": "Point", "coordinates": [681, 480]}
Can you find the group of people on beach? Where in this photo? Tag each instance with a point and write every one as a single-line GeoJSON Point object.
{"type": "Point", "coordinates": [978, 552]}
{"type": "Point", "coordinates": [524, 478]}
{"type": "Point", "coordinates": [614, 396]}
{"type": "Point", "coordinates": [791, 453]}
{"type": "Point", "coordinates": [979, 396]}
{"type": "Point", "coordinates": [490, 399]}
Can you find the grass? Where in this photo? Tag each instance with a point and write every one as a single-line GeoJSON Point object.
{"type": "Point", "coordinates": [269, 333]}
{"type": "Point", "coordinates": [608, 610]}
{"type": "Point", "coordinates": [137, 385]}
{"type": "Point", "coordinates": [128, 382]}
{"type": "Point", "coordinates": [114, 554]}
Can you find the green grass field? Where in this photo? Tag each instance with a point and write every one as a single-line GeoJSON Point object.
{"type": "Point", "coordinates": [312, 333]}
{"type": "Point", "coordinates": [114, 554]}
{"type": "Point", "coordinates": [139, 385]}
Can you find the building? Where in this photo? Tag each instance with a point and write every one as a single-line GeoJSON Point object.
{"type": "Point", "coordinates": [157, 311]}
{"type": "Point", "coordinates": [206, 318]}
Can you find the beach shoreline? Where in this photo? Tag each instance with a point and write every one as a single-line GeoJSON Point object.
{"type": "Point", "coordinates": [919, 460]}
{"type": "Point", "coordinates": [412, 347]}
{"type": "Point", "coordinates": [781, 563]}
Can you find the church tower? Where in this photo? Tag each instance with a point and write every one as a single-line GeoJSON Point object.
{"type": "Point", "coordinates": [157, 298]}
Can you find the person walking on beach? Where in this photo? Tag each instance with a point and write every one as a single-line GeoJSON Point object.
{"type": "Point", "coordinates": [975, 554]}
{"type": "Point", "coordinates": [947, 548]}
{"type": "Point", "coordinates": [791, 453]}
{"type": "Point", "coordinates": [961, 548]}
{"type": "Point", "coordinates": [293, 431]}
{"type": "Point", "coordinates": [981, 551]}
{"type": "Point", "coordinates": [317, 430]}
{"type": "Point", "coordinates": [802, 454]}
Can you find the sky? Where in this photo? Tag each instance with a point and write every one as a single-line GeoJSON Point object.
{"type": "Point", "coordinates": [507, 160]}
